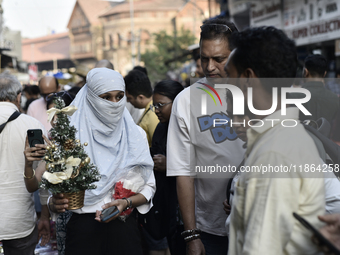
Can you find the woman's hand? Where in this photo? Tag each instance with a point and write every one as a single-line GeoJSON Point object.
{"type": "Point", "coordinates": [35, 153]}
{"type": "Point", "coordinates": [121, 205]}
{"type": "Point", "coordinates": [159, 162]}
{"type": "Point", "coordinates": [58, 203]}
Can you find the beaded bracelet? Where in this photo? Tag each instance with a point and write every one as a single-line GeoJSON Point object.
{"type": "Point", "coordinates": [192, 237]}
{"type": "Point", "coordinates": [190, 232]}
{"type": "Point", "coordinates": [28, 178]}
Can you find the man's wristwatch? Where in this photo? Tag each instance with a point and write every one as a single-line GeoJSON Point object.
{"type": "Point", "coordinates": [129, 203]}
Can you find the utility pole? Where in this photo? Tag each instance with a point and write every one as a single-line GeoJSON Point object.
{"type": "Point", "coordinates": [209, 6]}
{"type": "Point", "coordinates": [1, 31]}
{"type": "Point", "coordinates": [139, 39]}
{"type": "Point", "coordinates": [132, 34]}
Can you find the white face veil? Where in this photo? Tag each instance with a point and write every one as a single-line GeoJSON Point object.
{"type": "Point", "coordinates": [115, 144]}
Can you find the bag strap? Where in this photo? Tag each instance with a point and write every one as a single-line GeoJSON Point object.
{"type": "Point", "coordinates": [140, 119]}
{"type": "Point", "coordinates": [12, 117]}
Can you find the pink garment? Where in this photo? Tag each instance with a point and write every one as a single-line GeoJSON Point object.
{"type": "Point", "coordinates": [37, 109]}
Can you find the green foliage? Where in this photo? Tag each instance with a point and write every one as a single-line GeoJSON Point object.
{"type": "Point", "coordinates": [65, 146]}
{"type": "Point", "coordinates": [167, 47]}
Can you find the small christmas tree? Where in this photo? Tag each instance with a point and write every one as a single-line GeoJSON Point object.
{"type": "Point", "coordinates": [68, 167]}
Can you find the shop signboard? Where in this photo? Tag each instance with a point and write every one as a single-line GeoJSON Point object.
{"type": "Point", "coordinates": [33, 72]}
{"type": "Point", "coordinates": [312, 21]}
{"type": "Point", "coordinates": [238, 6]}
{"type": "Point", "coordinates": [263, 13]}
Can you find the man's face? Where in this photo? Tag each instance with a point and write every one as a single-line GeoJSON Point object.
{"type": "Point", "coordinates": [239, 80]}
{"type": "Point", "coordinates": [133, 100]}
{"type": "Point", "coordinates": [214, 55]}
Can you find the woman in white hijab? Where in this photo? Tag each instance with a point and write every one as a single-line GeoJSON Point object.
{"type": "Point", "coordinates": [118, 147]}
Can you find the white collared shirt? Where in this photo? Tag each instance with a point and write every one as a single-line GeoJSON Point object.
{"type": "Point", "coordinates": [261, 218]}
{"type": "Point", "coordinates": [17, 210]}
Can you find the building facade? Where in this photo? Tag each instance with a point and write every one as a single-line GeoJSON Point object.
{"type": "Point", "coordinates": [86, 31]}
{"type": "Point", "coordinates": [49, 52]}
{"type": "Point", "coordinates": [121, 32]}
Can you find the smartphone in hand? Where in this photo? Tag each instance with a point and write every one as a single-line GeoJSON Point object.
{"type": "Point", "coordinates": [35, 137]}
{"type": "Point", "coordinates": [323, 241]}
{"type": "Point", "coordinates": [109, 213]}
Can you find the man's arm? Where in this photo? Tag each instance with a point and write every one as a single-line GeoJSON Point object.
{"type": "Point", "coordinates": [44, 225]}
{"type": "Point", "coordinates": [186, 200]}
{"type": "Point", "coordinates": [180, 157]}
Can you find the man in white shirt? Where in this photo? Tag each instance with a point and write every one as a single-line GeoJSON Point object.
{"type": "Point", "coordinates": [18, 230]}
{"type": "Point", "coordinates": [261, 216]}
{"type": "Point", "coordinates": [196, 144]}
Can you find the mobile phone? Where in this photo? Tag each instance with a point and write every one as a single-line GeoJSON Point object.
{"type": "Point", "coordinates": [109, 213]}
{"type": "Point", "coordinates": [323, 241]}
{"type": "Point", "coordinates": [35, 137]}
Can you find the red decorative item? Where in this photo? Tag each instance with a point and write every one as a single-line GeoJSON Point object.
{"type": "Point", "coordinates": [121, 192]}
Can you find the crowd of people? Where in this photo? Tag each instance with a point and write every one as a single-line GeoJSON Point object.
{"type": "Point", "coordinates": [169, 134]}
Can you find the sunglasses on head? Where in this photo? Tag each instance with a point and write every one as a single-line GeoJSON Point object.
{"type": "Point", "coordinates": [216, 27]}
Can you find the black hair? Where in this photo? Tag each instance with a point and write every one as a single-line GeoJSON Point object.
{"type": "Point", "coordinates": [316, 65]}
{"type": "Point", "coordinates": [67, 97]}
{"type": "Point", "coordinates": [137, 83]}
{"type": "Point", "coordinates": [219, 32]}
{"type": "Point", "coordinates": [168, 88]}
{"type": "Point", "coordinates": [31, 89]}
{"type": "Point", "coordinates": [268, 52]}
{"type": "Point", "coordinates": [141, 68]}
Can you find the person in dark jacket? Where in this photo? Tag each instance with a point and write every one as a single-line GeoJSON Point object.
{"type": "Point", "coordinates": [160, 223]}
{"type": "Point", "coordinates": [323, 103]}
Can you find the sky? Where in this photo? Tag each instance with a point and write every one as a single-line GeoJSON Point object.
{"type": "Point", "coordinates": [35, 18]}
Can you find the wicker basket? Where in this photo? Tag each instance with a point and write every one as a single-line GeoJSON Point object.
{"type": "Point", "coordinates": [75, 200]}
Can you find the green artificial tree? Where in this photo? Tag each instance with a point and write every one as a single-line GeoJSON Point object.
{"type": "Point", "coordinates": [68, 167]}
